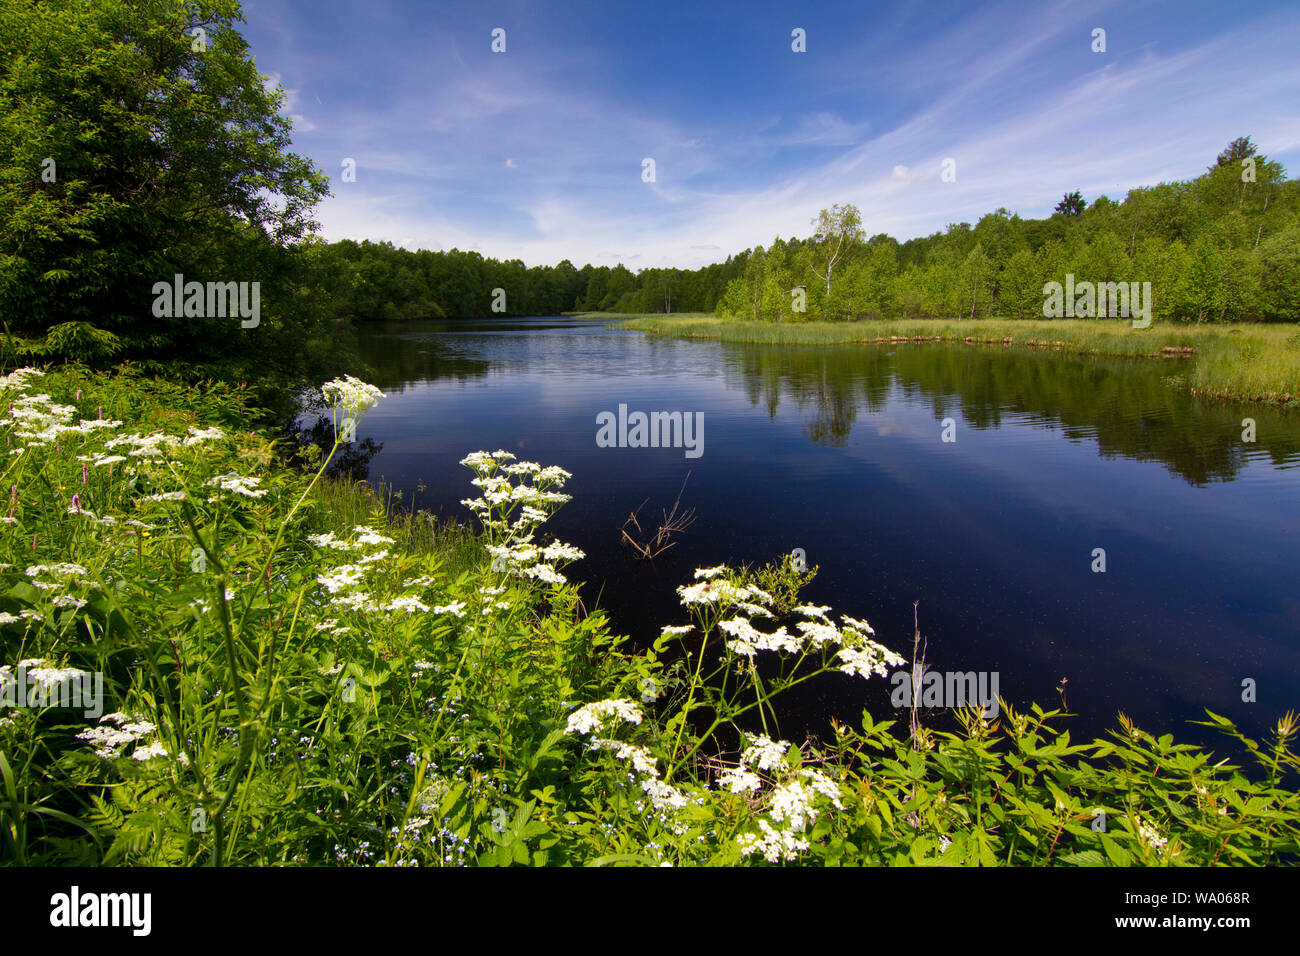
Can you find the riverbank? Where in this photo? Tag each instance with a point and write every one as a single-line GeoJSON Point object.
{"type": "Point", "coordinates": [289, 672]}
{"type": "Point", "coordinates": [1258, 363]}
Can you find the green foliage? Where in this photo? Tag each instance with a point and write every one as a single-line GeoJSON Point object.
{"type": "Point", "coordinates": [782, 579]}
{"type": "Point", "coordinates": [133, 149]}
{"type": "Point", "coordinates": [370, 281]}
{"type": "Point", "coordinates": [79, 341]}
{"type": "Point", "coordinates": [1071, 204]}
{"type": "Point", "coordinates": [1220, 248]}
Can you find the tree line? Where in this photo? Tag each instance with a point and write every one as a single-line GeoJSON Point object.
{"type": "Point", "coordinates": [367, 281]}
{"type": "Point", "coordinates": [1224, 246]}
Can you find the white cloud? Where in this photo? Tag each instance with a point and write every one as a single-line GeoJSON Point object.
{"type": "Point", "coordinates": [433, 159]}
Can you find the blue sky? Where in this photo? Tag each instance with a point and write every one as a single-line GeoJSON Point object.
{"type": "Point", "coordinates": [537, 153]}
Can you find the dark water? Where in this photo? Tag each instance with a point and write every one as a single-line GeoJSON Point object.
{"type": "Point", "coordinates": [837, 450]}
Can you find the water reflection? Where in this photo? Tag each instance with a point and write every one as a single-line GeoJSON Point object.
{"type": "Point", "coordinates": [837, 450]}
{"type": "Point", "coordinates": [1126, 407]}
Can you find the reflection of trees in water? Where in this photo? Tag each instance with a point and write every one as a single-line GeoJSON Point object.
{"type": "Point", "coordinates": [352, 459]}
{"type": "Point", "coordinates": [1124, 405]}
{"type": "Point", "coordinates": [828, 385]}
{"type": "Point", "coordinates": [394, 361]}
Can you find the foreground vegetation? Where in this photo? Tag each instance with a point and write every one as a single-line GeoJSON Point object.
{"type": "Point", "coordinates": [1250, 362]}
{"type": "Point", "coordinates": [294, 675]}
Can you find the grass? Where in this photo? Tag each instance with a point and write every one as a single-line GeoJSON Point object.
{"type": "Point", "coordinates": [296, 672]}
{"type": "Point", "coordinates": [350, 503]}
{"type": "Point", "coordinates": [1242, 362]}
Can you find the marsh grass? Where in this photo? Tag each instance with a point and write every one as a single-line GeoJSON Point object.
{"type": "Point", "coordinates": [1256, 362]}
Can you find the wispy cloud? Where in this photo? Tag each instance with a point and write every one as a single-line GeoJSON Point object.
{"type": "Point", "coordinates": [537, 153]}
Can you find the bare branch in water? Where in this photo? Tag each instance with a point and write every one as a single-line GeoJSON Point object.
{"type": "Point", "coordinates": [674, 522]}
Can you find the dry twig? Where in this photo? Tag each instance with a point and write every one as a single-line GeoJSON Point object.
{"type": "Point", "coordinates": [674, 521]}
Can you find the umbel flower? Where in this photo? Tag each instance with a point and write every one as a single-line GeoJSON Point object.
{"type": "Point", "coordinates": [352, 395]}
{"type": "Point", "coordinates": [856, 653]}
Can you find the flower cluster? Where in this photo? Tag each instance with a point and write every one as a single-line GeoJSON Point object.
{"type": "Point", "coordinates": [39, 420]}
{"type": "Point", "coordinates": [116, 731]}
{"type": "Point", "coordinates": [511, 510]}
{"type": "Point", "coordinates": [796, 799]}
{"type": "Point", "coordinates": [352, 395]}
{"type": "Point", "coordinates": [346, 583]}
{"type": "Point", "coordinates": [238, 484]}
{"type": "Point", "coordinates": [856, 652]}
{"type": "Point", "coordinates": [590, 717]}
{"type": "Point", "coordinates": [504, 490]}
{"type": "Point", "coordinates": [39, 671]}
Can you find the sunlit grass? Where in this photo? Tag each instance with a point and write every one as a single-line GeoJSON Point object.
{"type": "Point", "coordinates": [342, 503]}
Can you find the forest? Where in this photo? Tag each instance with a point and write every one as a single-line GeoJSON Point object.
{"type": "Point", "coordinates": [1223, 247]}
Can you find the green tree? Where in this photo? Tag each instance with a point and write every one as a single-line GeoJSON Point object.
{"type": "Point", "coordinates": [1072, 204]}
{"type": "Point", "coordinates": [1279, 279]}
{"type": "Point", "coordinates": [1236, 151]}
{"type": "Point", "coordinates": [835, 232]}
{"type": "Point", "coordinates": [133, 147]}
{"type": "Point", "coordinates": [1020, 288]}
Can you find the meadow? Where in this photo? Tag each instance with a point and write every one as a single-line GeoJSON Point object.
{"type": "Point", "coordinates": [296, 672]}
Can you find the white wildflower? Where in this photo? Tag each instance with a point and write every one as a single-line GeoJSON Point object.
{"type": "Point", "coordinates": [198, 435]}
{"type": "Point", "coordinates": [155, 749]}
{"type": "Point", "coordinates": [641, 759]}
{"type": "Point", "coordinates": [558, 551]}
{"type": "Point", "coordinates": [812, 610]}
{"type": "Point", "coordinates": [739, 780]}
{"type": "Point", "coordinates": [589, 717]}
{"type": "Point", "coordinates": [408, 604]}
{"type": "Point", "coordinates": [764, 753]}
{"type": "Point", "coordinates": [792, 803]}
{"type": "Point", "coordinates": [351, 394]}
{"type": "Point", "coordinates": [712, 592]}
{"type": "Point", "coordinates": [706, 573]}
{"type": "Point", "coordinates": [246, 486]}
{"type": "Point", "coordinates": [823, 785]}
{"type": "Point", "coordinates": [775, 845]}
{"type": "Point", "coordinates": [664, 796]}
{"type": "Point", "coordinates": [327, 540]}
{"type": "Point", "coordinates": [341, 577]}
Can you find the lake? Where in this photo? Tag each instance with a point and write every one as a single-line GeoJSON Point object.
{"type": "Point", "coordinates": [840, 451]}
